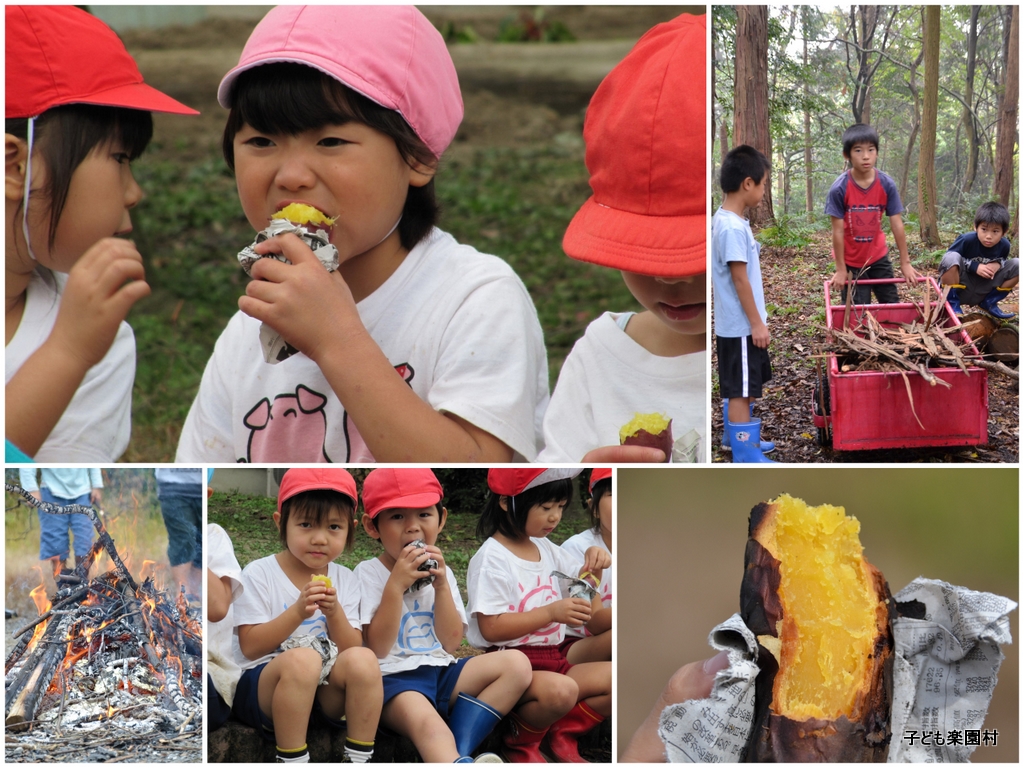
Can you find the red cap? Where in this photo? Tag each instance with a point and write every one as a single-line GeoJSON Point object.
{"type": "Point", "coordinates": [598, 474]}
{"type": "Point", "coordinates": [388, 488]}
{"type": "Point", "coordinates": [60, 55]}
{"type": "Point", "coordinates": [296, 481]}
{"type": "Point", "coordinates": [645, 132]}
{"type": "Point", "coordinates": [512, 482]}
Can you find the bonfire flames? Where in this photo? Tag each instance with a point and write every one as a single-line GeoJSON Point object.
{"type": "Point", "coordinates": [105, 650]}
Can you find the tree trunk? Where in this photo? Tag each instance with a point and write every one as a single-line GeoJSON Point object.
{"type": "Point", "coordinates": [916, 125]}
{"type": "Point", "coordinates": [1007, 133]}
{"type": "Point", "coordinates": [926, 164]}
{"type": "Point", "coordinates": [808, 167]}
{"type": "Point", "coordinates": [750, 113]}
{"type": "Point", "coordinates": [969, 127]}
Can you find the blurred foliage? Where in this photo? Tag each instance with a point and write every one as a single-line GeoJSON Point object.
{"type": "Point", "coordinates": [533, 27]}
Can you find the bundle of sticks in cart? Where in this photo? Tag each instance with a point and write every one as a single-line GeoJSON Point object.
{"type": "Point", "coordinates": [105, 650]}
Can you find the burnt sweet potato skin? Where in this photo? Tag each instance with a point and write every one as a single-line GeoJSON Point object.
{"type": "Point", "coordinates": [777, 738]}
{"type": "Point", "coordinates": [662, 440]}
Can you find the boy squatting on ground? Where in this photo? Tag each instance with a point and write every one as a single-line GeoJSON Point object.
{"type": "Point", "coordinates": [741, 330]}
{"type": "Point", "coordinates": [446, 706]}
{"type": "Point", "coordinates": [977, 264]}
{"type": "Point", "coordinates": [645, 152]}
{"type": "Point", "coordinates": [856, 202]}
{"type": "Point", "coordinates": [299, 642]}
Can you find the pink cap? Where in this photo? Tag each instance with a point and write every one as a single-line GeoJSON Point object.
{"type": "Point", "coordinates": [296, 481]}
{"type": "Point", "coordinates": [390, 54]}
{"type": "Point", "coordinates": [598, 474]}
{"type": "Point", "coordinates": [388, 488]}
{"type": "Point", "coordinates": [512, 482]}
{"type": "Point", "coordinates": [57, 55]}
{"type": "Point", "coordinates": [645, 134]}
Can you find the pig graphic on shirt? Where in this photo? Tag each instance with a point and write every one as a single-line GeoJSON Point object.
{"type": "Point", "coordinates": [293, 427]}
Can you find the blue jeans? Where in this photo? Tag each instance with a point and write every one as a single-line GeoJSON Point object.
{"type": "Point", "coordinates": [182, 508]}
{"type": "Point", "coordinates": [54, 529]}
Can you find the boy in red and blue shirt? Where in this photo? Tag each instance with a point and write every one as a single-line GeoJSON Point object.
{"type": "Point", "coordinates": [856, 202]}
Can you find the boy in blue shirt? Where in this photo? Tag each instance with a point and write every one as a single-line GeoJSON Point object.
{"type": "Point", "coordinates": [977, 264]}
{"type": "Point", "coordinates": [741, 328]}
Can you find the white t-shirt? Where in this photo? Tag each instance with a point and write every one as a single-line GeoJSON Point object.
{"type": "Point", "coordinates": [499, 583]}
{"type": "Point", "coordinates": [97, 424]}
{"type": "Point", "coordinates": [459, 328]}
{"type": "Point", "coordinates": [606, 380]}
{"type": "Point", "coordinates": [269, 593]}
{"type": "Point", "coordinates": [577, 546]}
{"type": "Point", "coordinates": [417, 644]}
{"type": "Point", "coordinates": [221, 664]}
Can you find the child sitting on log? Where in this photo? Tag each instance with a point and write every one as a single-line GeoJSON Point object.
{"type": "Point", "coordinates": [223, 586]}
{"type": "Point", "coordinates": [299, 642]}
{"type": "Point", "coordinates": [413, 619]}
{"type": "Point", "coordinates": [978, 266]}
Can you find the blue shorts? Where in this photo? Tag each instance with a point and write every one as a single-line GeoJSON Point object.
{"type": "Point", "coordinates": [218, 711]}
{"type": "Point", "coordinates": [182, 510]}
{"type": "Point", "coordinates": [436, 683]}
{"type": "Point", "coordinates": [246, 706]}
{"type": "Point", "coordinates": [53, 529]}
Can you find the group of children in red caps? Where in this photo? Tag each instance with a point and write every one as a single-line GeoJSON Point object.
{"type": "Point", "coordinates": [375, 645]}
{"type": "Point", "coordinates": [416, 347]}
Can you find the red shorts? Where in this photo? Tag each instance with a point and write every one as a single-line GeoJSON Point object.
{"type": "Point", "coordinates": [548, 658]}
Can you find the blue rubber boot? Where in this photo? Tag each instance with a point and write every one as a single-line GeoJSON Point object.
{"type": "Point", "coordinates": [954, 299]}
{"type": "Point", "coordinates": [766, 445]}
{"type": "Point", "coordinates": [470, 721]}
{"type": "Point", "coordinates": [746, 441]}
{"type": "Point", "coordinates": [991, 303]}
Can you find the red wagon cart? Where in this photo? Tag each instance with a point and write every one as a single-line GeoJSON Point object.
{"type": "Point", "coordinates": [868, 410]}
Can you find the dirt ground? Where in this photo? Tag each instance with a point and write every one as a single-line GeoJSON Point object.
{"type": "Point", "coordinates": [514, 93]}
{"type": "Point", "coordinates": [793, 279]}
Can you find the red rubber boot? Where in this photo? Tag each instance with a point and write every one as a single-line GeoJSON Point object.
{"type": "Point", "coordinates": [561, 740]}
{"type": "Point", "coordinates": [522, 743]}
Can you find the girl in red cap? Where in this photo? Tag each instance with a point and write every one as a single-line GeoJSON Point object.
{"type": "Point", "coordinates": [594, 642]}
{"type": "Point", "coordinates": [415, 347]}
{"type": "Point", "coordinates": [644, 132]}
{"type": "Point", "coordinates": [300, 643]}
{"type": "Point", "coordinates": [76, 114]}
{"type": "Point", "coordinates": [515, 601]}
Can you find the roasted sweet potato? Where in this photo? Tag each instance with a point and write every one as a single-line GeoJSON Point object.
{"type": "Point", "coordinates": [651, 430]}
{"type": "Point", "coordinates": [823, 619]}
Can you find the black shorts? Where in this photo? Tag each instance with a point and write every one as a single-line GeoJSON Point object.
{"type": "Point", "coordinates": [886, 293]}
{"type": "Point", "coordinates": [742, 367]}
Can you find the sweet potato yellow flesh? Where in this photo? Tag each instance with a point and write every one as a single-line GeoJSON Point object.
{"type": "Point", "coordinates": [829, 608]}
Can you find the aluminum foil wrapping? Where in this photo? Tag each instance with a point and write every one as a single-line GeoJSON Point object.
{"type": "Point", "coordinates": [275, 348]}
{"type": "Point", "coordinates": [944, 674]}
{"type": "Point", "coordinates": [570, 586]}
{"type": "Point", "coordinates": [323, 645]}
{"type": "Point", "coordinates": [318, 241]}
{"type": "Point", "coordinates": [426, 565]}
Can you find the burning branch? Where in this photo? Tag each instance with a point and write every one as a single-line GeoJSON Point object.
{"type": "Point", "coordinates": [72, 509]}
{"type": "Point", "coordinates": [117, 637]}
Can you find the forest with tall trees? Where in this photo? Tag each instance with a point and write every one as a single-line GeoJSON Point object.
{"type": "Point", "coordinates": [939, 85]}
